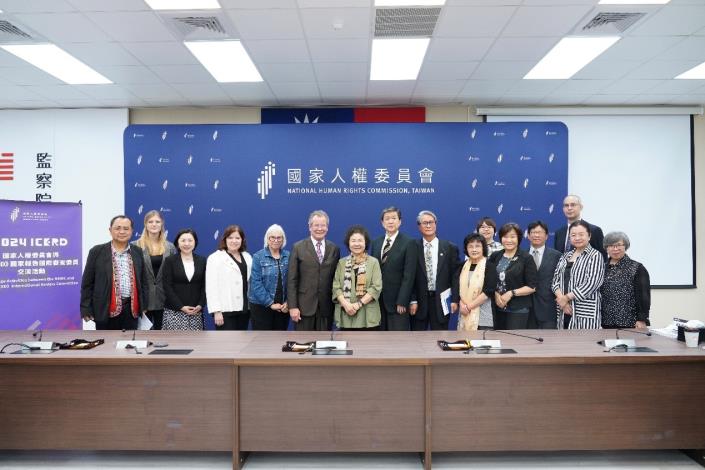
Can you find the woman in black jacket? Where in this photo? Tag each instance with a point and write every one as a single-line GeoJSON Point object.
{"type": "Point", "coordinates": [516, 280]}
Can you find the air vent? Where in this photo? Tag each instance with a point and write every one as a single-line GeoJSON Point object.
{"type": "Point", "coordinates": [405, 22]}
{"type": "Point", "coordinates": [611, 22]}
{"type": "Point", "coordinates": [191, 26]}
{"type": "Point", "coordinates": [11, 33]}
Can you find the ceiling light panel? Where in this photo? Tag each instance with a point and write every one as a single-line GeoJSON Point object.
{"type": "Point", "coordinates": [397, 59]}
{"type": "Point", "coordinates": [183, 4]}
{"type": "Point", "coordinates": [226, 61]}
{"type": "Point", "coordinates": [569, 56]}
{"type": "Point", "coordinates": [57, 62]}
{"type": "Point", "coordinates": [696, 73]}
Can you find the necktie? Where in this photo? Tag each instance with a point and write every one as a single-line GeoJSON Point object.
{"type": "Point", "coordinates": [429, 267]}
{"type": "Point", "coordinates": [537, 258]}
{"type": "Point", "coordinates": [319, 252]}
{"type": "Point", "coordinates": [385, 250]}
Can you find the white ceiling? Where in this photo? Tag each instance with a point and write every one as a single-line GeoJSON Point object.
{"type": "Point", "coordinates": [479, 52]}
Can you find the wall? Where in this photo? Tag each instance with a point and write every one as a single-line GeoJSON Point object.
{"type": "Point", "coordinates": [665, 303]}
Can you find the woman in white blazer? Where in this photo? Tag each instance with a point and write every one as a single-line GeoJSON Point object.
{"type": "Point", "coordinates": [227, 275]}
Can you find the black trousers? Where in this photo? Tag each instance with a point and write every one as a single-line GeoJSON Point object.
{"type": "Point", "coordinates": [156, 317]}
{"type": "Point", "coordinates": [124, 321]}
{"type": "Point", "coordinates": [393, 321]}
{"type": "Point", "coordinates": [264, 318]}
{"type": "Point", "coordinates": [234, 321]}
{"type": "Point", "coordinates": [315, 322]}
{"type": "Point", "coordinates": [512, 320]}
{"type": "Point", "coordinates": [546, 325]}
{"type": "Point", "coordinates": [432, 318]}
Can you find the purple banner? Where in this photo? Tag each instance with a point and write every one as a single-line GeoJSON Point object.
{"type": "Point", "coordinates": [40, 265]}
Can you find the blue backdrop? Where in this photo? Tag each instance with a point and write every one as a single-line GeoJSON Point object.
{"type": "Point", "coordinates": [209, 176]}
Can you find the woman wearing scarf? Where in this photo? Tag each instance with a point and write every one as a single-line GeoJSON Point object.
{"type": "Point", "coordinates": [357, 285]}
{"type": "Point", "coordinates": [478, 278]}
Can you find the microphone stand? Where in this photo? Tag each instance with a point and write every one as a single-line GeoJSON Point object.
{"type": "Point", "coordinates": [616, 332]}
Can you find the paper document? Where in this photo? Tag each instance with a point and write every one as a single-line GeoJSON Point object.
{"type": "Point", "coordinates": [445, 301]}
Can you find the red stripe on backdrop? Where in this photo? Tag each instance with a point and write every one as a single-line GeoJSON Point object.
{"type": "Point", "coordinates": [6, 178]}
{"type": "Point", "coordinates": [417, 114]}
{"type": "Point", "coordinates": [6, 160]}
{"type": "Point", "coordinates": [7, 154]}
{"type": "Point", "coordinates": [6, 167]}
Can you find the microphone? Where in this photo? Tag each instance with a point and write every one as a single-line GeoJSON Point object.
{"type": "Point", "coordinates": [616, 332]}
{"type": "Point", "coordinates": [536, 338]}
{"type": "Point", "coordinates": [39, 333]}
{"type": "Point", "coordinates": [134, 332]}
{"type": "Point", "coordinates": [332, 331]}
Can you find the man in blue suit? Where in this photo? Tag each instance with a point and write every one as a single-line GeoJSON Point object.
{"type": "Point", "coordinates": [396, 253]}
{"type": "Point", "coordinates": [543, 313]}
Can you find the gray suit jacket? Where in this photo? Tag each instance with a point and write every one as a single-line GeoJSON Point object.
{"type": "Point", "coordinates": [544, 300]}
{"type": "Point", "coordinates": [310, 283]}
{"type": "Point", "coordinates": [154, 289]}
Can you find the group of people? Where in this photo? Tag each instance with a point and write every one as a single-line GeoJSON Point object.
{"type": "Point", "coordinates": [393, 282]}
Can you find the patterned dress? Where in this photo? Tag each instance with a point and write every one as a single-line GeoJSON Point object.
{"type": "Point", "coordinates": [626, 294]}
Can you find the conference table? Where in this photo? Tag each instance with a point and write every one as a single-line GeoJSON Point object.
{"type": "Point", "coordinates": [398, 392]}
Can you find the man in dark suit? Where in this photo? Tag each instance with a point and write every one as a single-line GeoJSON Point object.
{"type": "Point", "coordinates": [435, 275]}
{"type": "Point", "coordinates": [543, 313]}
{"type": "Point", "coordinates": [112, 291]}
{"type": "Point", "coordinates": [572, 208]}
{"type": "Point", "coordinates": [312, 266]}
{"type": "Point", "coordinates": [397, 257]}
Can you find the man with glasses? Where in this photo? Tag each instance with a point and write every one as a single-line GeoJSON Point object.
{"type": "Point", "coordinates": [572, 209]}
{"type": "Point", "coordinates": [112, 288]}
{"type": "Point", "coordinates": [543, 311]}
{"type": "Point", "coordinates": [435, 277]}
{"type": "Point", "coordinates": [312, 264]}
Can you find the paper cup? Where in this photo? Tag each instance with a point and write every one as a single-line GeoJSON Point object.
{"type": "Point", "coordinates": [691, 338]}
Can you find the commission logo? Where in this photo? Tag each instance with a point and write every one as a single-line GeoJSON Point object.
{"type": "Point", "coordinates": [14, 214]}
{"type": "Point", "coordinates": [140, 209]}
{"type": "Point", "coordinates": [500, 208]}
{"type": "Point", "coordinates": [473, 133]}
{"type": "Point", "coordinates": [139, 159]}
{"type": "Point", "coordinates": [264, 182]}
{"type": "Point", "coordinates": [473, 185]}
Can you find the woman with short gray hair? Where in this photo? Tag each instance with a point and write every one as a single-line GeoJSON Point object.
{"type": "Point", "coordinates": [626, 290]}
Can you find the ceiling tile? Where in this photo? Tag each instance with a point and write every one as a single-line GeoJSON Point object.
{"type": "Point", "coordinates": [695, 100]}
{"type": "Point", "coordinates": [608, 100]}
{"type": "Point", "coordinates": [387, 91]}
{"type": "Point", "coordinates": [519, 99]}
{"type": "Point", "coordinates": [154, 92]}
{"type": "Point", "coordinates": [446, 70]}
{"type": "Point", "coordinates": [277, 50]}
{"type": "Point", "coordinates": [291, 72]}
{"type": "Point", "coordinates": [606, 69]}
{"type": "Point", "coordinates": [478, 87]}
{"type": "Point", "coordinates": [676, 87]}
{"type": "Point", "coordinates": [692, 48]}
{"type": "Point", "coordinates": [342, 71]}
{"type": "Point", "coordinates": [353, 22]}
{"type": "Point", "coordinates": [557, 99]}
{"type": "Point", "coordinates": [161, 53]}
{"type": "Point", "coordinates": [555, 20]}
{"type": "Point", "coordinates": [527, 48]}
{"type": "Point", "coordinates": [19, 93]}
{"type": "Point", "coordinates": [101, 53]}
{"type": "Point", "coordinates": [257, 4]}
{"type": "Point", "coordinates": [673, 20]}
{"type": "Point", "coordinates": [340, 50]}
{"type": "Point", "coordinates": [267, 24]}
{"type": "Point", "coordinates": [295, 90]}
{"type": "Point", "coordinates": [461, 50]}
{"type": "Point", "coordinates": [625, 86]}
{"type": "Point", "coordinates": [248, 91]}
{"type": "Point", "coordinates": [183, 73]}
{"type": "Point", "coordinates": [35, 6]}
{"type": "Point", "coordinates": [106, 92]}
{"type": "Point", "coordinates": [651, 99]}
{"type": "Point", "coordinates": [28, 75]}
{"type": "Point", "coordinates": [336, 3]}
{"type": "Point", "coordinates": [540, 87]}
{"type": "Point", "coordinates": [639, 47]}
{"type": "Point", "coordinates": [64, 27]}
{"type": "Point", "coordinates": [59, 92]}
{"type": "Point", "coordinates": [43, 104]}
{"type": "Point", "coordinates": [582, 86]}
{"type": "Point", "coordinates": [345, 92]}
{"type": "Point", "coordinates": [110, 5]}
{"type": "Point", "coordinates": [11, 60]}
{"type": "Point", "coordinates": [195, 91]}
{"type": "Point", "coordinates": [129, 74]}
{"type": "Point", "coordinates": [506, 69]}
{"type": "Point", "coordinates": [132, 26]}
{"type": "Point", "coordinates": [662, 69]}
{"type": "Point", "coordinates": [448, 88]}
{"type": "Point", "coordinates": [472, 21]}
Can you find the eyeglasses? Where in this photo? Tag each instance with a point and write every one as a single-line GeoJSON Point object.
{"type": "Point", "coordinates": [615, 246]}
{"type": "Point", "coordinates": [275, 239]}
{"type": "Point", "coordinates": [427, 223]}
